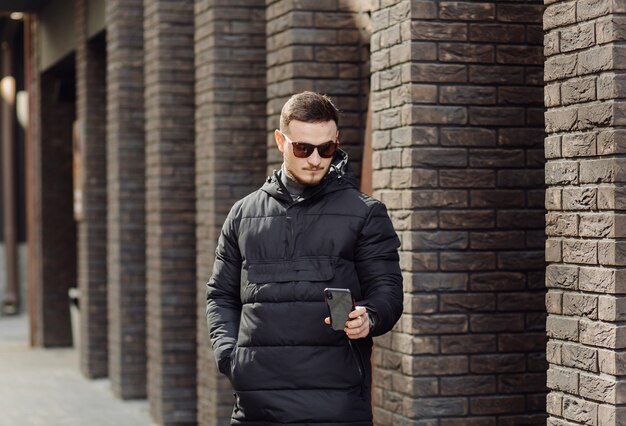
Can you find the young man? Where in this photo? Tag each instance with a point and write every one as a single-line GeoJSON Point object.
{"type": "Point", "coordinates": [307, 228]}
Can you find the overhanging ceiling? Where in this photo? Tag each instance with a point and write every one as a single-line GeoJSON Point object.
{"type": "Point", "coordinates": [21, 5]}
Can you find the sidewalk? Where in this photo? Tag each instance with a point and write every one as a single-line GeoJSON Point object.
{"type": "Point", "coordinates": [45, 387]}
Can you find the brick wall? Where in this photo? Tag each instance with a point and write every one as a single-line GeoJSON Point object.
{"type": "Point", "coordinates": [92, 277]}
{"type": "Point", "coordinates": [230, 152]}
{"type": "Point", "coordinates": [585, 224]}
{"type": "Point", "coordinates": [457, 119]}
{"type": "Point", "coordinates": [320, 45]}
{"type": "Point", "coordinates": [170, 210]}
{"type": "Point", "coordinates": [126, 199]}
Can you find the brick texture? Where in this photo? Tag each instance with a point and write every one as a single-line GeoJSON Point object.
{"type": "Point", "coordinates": [321, 46]}
{"type": "Point", "coordinates": [92, 232]}
{"type": "Point", "coordinates": [230, 153]}
{"type": "Point", "coordinates": [584, 224]}
{"type": "Point", "coordinates": [457, 133]}
{"type": "Point", "coordinates": [458, 122]}
{"type": "Point", "coordinates": [126, 241]}
{"type": "Point", "coordinates": [170, 210]}
{"type": "Point", "coordinates": [52, 193]}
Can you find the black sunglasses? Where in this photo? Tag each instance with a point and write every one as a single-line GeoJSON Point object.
{"type": "Point", "coordinates": [304, 150]}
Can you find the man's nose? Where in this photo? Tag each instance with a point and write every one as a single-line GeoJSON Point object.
{"type": "Point", "coordinates": [315, 159]}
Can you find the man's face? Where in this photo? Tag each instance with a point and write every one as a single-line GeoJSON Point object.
{"type": "Point", "coordinates": [310, 170]}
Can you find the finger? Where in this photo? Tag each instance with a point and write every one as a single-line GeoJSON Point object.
{"type": "Point", "coordinates": [354, 331]}
{"type": "Point", "coordinates": [358, 311]}
{"type": "Point", "coordinates": [355, 323]}
{"type": "Point", "coordinates": [357, 335]}
{"type": "Point", "coordinates": [327, 320]}
{"type": "Point", "coordinates": [357, 330]}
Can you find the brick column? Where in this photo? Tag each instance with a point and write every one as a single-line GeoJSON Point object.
{"type": "Point", "coordinates": [51, 225]}
{"type": "Point", "coordinates": [230, 152]}
{"type": "Point", "coordinates": [584, 73]}
{"type": "Point", "coordinates": [90, 108]}
{"type": "Point", "coordinates": [126, 199]}
{"type": "Point", "coordinates": [170, 210]}
{"type": "Point", "coordinates": [319, 45]}
{"type": "Point", "coordinates": [457, 119]}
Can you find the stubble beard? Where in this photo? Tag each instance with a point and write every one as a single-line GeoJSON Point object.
{"type": "Point", "coordinates": [291, 176]}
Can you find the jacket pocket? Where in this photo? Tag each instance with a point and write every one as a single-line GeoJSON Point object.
{"type": "Point", "coordinates": [313, 269]}
{"type": "Point", "coordinates": [358, 361]}
{"type": "Point", "coordinates": [233, 362]}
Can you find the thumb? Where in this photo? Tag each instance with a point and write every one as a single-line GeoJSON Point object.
{"type": "Point", "coordinates": [359, 310]}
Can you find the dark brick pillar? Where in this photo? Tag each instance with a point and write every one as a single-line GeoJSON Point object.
{"type": "Point", "coordinates": [126, 199]}
{"type": "Point", "coordinates": [90, 110]}
{"type": "Point", "coordinates": [170, 210]}
{"type": "Point", "coordinates": [52, 230]}
{"type": "Point", "coordinates": [322, 46]}
{"type": "Point", "coordinates": [586, 225]}
{"type": "Point", "coordinates": [457, 119]}
{"type": "Point", "coordinates": [230, 152]}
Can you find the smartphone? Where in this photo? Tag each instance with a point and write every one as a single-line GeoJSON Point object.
{"type": "Point", "coordinates": [340, 303]}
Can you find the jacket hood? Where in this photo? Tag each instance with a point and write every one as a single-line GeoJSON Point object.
{"type": "Point", "coordinates": [339, 176]}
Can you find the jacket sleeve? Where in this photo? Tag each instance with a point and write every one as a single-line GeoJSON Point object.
{"type": "Point", "coordinates": [378, 269]}
{"type": "Point", "coordinates": [223, 309]}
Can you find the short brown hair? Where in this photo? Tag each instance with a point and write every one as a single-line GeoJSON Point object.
{"type": "Point", "coordinates": [309, 107]}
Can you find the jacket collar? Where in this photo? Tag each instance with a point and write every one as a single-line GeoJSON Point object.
{"type": "Point", "coordinates": [339, 176]}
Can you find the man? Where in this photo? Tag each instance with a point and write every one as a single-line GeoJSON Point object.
{"type": "Point", "coordinates": [306, 229]}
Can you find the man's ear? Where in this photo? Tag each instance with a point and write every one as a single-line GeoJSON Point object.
{"type": "Point", "coordinates": [280, 140]}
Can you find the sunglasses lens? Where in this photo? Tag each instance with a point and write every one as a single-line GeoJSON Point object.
{"type": "Point", "coordinates": [302, 150]}
{"type": "Point", "coordinates": [327, 150]}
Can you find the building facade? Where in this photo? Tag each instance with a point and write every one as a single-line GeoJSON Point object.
{"type": "Point", "coordinates": [149, 119]}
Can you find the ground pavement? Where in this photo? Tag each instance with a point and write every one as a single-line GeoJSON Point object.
{"type": "Point", "coordinates": [45, 387]}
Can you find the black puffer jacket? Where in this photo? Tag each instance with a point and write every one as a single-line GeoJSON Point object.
{"type": "Point", "coordinates": [265, 303]}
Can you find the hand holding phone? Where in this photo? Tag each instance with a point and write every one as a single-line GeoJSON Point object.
{"type": "Point", "coordinates": [340, 303]}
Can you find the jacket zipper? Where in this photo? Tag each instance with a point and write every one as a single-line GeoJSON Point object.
{"type": "Point", "coordinates": [290, 242]}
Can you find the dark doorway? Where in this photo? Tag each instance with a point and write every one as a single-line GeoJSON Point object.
{"type": "Point", "coordinates": [58, 228]}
